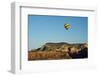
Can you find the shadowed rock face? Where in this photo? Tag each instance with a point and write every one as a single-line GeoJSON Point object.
{"type": "Point", "coordinates": [59, 51]}
{"type": "Point", "coordinates": [80, 54]}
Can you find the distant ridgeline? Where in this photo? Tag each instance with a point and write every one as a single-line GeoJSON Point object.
{"type": "Point", "coordinates": [62, 50]}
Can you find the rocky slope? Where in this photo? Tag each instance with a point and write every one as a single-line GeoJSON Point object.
{"type": "Point", "coordinates": [60, 50]}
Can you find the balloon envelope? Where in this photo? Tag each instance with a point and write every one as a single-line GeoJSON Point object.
{"type": "Point", "coordinates": [67, 26]}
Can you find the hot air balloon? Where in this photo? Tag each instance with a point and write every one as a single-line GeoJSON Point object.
{"type": "Point", "coordinates": [66, 26]}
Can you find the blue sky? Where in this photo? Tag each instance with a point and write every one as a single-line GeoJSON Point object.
{"type": "Point", "coordinates": [43, 29]}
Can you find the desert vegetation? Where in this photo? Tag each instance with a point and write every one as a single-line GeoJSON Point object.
{"type": "Point", "coordinates": [54, 51]}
